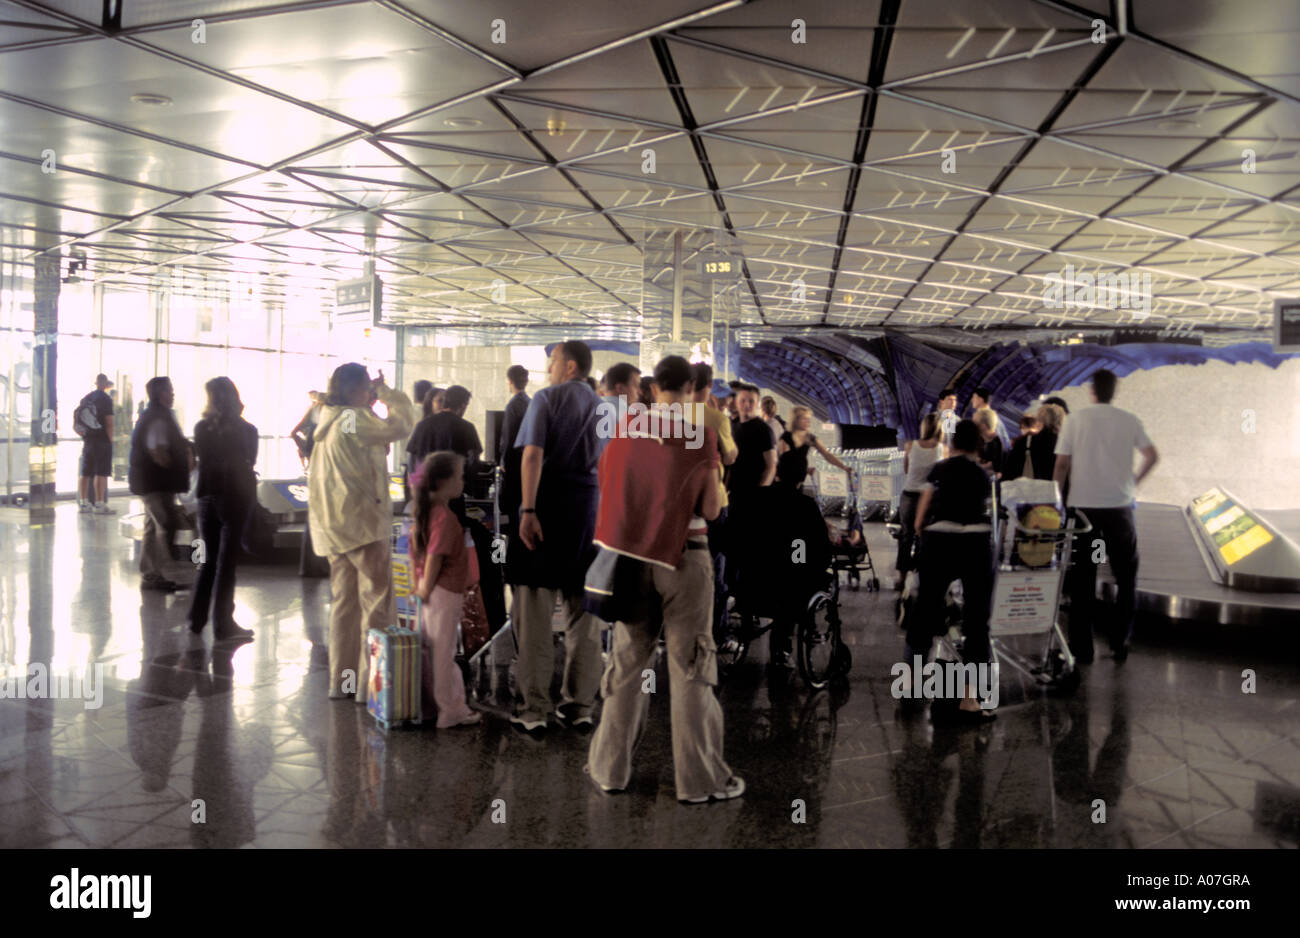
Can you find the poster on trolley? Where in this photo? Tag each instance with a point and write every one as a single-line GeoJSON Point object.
{"type": "Point", "coordinates": [876, 488]}
{"type": "Point", "coordinates": [1024, 602]}
{"type": "Point", "coordinates": [403, 582]}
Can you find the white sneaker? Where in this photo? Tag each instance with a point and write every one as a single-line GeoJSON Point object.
{"type": "Point", "coordinates": [735, 787]}
{"type": "Point", "coordinates": [103, 509]}
{"type": "Point", "coordinates": [84, 507]}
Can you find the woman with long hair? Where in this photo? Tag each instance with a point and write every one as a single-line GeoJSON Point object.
{"type": "Point", "coordinates": [1051, 418]}
{"type": "Point", "coordinates": [351, 515]}
{"type": "Point", "coordinates": [793, 449]}
{"type": "Point", "coordinates": [225, 446]}
{"type": "Point", "coordinates": [991, 454]}
{"type": "Point", "coordinates": [919, 457]}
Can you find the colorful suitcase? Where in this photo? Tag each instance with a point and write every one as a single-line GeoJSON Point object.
{"type": "Point", "coordinates": [394, 693]}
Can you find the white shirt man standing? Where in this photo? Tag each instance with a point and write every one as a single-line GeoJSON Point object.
{"type": "Point", "coordinates": [1095, 454]}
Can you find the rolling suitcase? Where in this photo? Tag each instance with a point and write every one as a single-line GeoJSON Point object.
{"type": "Point", "coordinates": [394, 693]}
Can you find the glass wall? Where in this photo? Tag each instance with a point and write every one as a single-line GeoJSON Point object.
{"type": "Point", "coordinates": [274, 354]}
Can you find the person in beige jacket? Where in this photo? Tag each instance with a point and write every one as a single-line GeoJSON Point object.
{"type": "Point", "coordinates": [351, 515]}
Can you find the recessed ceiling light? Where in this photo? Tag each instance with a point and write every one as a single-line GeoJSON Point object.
{"type": "Point", "coordinates": [461, 123]}
{"type": "Point", "coordinates": [151, 99]}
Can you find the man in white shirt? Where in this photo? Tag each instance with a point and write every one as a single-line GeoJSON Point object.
{"type": "Point", "coordinates": [1095, 453]}
{"type": "Point", "coordinates": [948, 418]}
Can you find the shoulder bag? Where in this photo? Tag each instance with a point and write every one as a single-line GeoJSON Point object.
{"type": "Point", "coordinates": [617, 588]}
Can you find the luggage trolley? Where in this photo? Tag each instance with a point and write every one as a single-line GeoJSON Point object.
{"type": "Point", "coordinates": [1031, 563]}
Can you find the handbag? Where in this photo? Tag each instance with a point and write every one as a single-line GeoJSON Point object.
{"type": "Point", "coordinates": [258, 536]}
{"type": "Point", "coordinates": [616, 588]}
{"type": "Point", "coordinates": [474, 631]}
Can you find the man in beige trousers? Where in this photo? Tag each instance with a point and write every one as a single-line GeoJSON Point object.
{"type": "Point", "coordinates": [658, 490]}
{"type": "Point", "coordinates": [351, 515]}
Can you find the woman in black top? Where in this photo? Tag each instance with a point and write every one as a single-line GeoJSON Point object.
{"type": "Point", "coordinates": [952, 522]}
{"type": "Point", "coordinates": [226, 446]}
{"type": "Point", "coordinates": [792, 450]}
{"type": "Point", "coordinates": [1018, 464]}
{"type": "Point", "coordinates": [1051, 417]}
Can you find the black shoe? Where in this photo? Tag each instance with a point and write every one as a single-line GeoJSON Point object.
{"type": "Point", "coordinates": [161, 584]}
{"type": "Point", "coordinates": [233, 633]}
{"type": "Point", "coordinates": [529, 727]}
{"type": "Point", "coordinates": [567, 716]}
{"type": "Point", "coordinates": [198, 627]}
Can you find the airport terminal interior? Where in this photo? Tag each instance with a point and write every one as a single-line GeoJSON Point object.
{"type": "Point", "coordinates": [868, 211]}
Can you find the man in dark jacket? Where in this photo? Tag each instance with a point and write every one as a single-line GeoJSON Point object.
{"type": "Point", "coordinates": [507, 455]}
{"type": "Point", "coordinates": [161, 460]}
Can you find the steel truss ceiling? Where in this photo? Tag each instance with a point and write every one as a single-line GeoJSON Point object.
{"type": "Point", "coordinates": [914, 165]}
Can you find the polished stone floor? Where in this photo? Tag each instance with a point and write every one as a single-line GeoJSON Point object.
{"type": "Point", "coordinates": [1180, 756]}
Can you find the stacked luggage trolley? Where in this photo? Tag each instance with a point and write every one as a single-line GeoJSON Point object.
{"type": "Point", "coordinates": [873, 491]}
{"type": "Point", "coordinates": [880, 482]}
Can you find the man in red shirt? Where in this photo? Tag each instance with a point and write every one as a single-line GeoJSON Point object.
{"type": "Point", "coordinates": [658, 490]}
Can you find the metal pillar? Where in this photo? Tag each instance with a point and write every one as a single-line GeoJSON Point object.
{"type": "Point", "coordinates": [678, 285]}
{"type": "Point", "coordinates": [42, 453]}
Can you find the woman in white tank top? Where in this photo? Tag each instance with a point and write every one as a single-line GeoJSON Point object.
{"type": "Point", "coordinates": [919, 457]}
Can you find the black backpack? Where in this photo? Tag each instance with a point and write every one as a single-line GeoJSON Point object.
{"type": "Point", "coordinates": [85, 418]}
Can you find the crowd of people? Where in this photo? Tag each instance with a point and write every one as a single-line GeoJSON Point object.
{"type": "Point", "coordinates": [660, 502]}
{"type": "Point", "coordinates": [951, 470]}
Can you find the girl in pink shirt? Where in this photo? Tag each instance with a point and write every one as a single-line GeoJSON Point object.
{"type": "Point", "coordinates": [445, 565]}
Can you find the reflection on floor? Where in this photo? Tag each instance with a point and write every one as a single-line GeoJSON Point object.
{"type": "Point", "coordinates": [1179, 755]}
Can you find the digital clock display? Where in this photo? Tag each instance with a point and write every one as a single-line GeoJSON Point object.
{"type": "Point", "coordinates": [717, 267]}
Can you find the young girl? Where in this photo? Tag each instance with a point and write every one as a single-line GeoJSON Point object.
{"type": "Point", "coordinates": [445, 566]}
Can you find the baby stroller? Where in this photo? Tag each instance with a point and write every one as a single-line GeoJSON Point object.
{"type": "Point", "coordinates": [782, 554]}
{"type": "Point", "coordinates": [849, 551]}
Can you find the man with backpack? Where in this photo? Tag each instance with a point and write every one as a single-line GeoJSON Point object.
{"type": "Point", "coordinates": [93, 422]}
{"type": "Point", "coordinates": [161, 460]}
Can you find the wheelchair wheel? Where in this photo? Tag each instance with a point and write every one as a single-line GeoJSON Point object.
{"type": "Point", "coordinates": [819, 638]}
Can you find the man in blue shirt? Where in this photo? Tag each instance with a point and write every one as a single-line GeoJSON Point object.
{"type": "Point", "coordinates": [549, 558]}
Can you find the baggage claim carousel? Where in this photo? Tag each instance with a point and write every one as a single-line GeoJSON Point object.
{"type": "Point", "coordinates": [1216, 561]}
